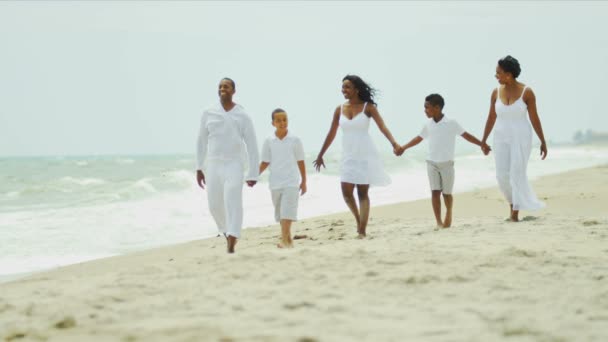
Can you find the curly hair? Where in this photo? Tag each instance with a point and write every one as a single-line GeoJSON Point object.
{"type": "Point", "coordinates": [366, 92]}
{"type": "Point", "coordinates": [511, 65]}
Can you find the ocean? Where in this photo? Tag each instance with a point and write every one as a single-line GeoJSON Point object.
{"type": "Point", "coordinates": [56, 211]}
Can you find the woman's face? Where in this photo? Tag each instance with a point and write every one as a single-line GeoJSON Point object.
{"type": "Point", "coordinates": [348, 90]}
{"type": "Point", "coordinates": [501, 75]}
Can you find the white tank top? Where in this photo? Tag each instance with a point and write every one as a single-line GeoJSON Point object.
{"type": "Point", "coordinates": [515, 110]}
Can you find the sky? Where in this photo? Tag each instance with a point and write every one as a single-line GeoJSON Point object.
{"type": "Point", "coordinates": [133, 77]}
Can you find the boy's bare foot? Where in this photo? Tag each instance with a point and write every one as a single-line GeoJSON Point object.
{"type": "Point", "coordinates": [361, 236]}
{"type": "Point", "coordinates": [447, 223]}
{"type": "Point", "coordinates": [284, 244]}
{"type": "Point", "coordinates": [300, 236]}
{"type": "Point", "coordinates": [231, 242]}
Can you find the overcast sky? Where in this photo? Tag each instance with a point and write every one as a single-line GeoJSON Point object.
{"type": "Point", "coordinates": [109, 77]}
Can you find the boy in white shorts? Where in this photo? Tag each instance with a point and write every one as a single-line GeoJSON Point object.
{"type": "Point", "coordinates": [441, 133]}
{"type": "Point", "coordinates": [284, 154]}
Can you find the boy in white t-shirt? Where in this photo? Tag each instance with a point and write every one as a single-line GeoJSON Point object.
{"type": "Point", "coordinates": [284, 154]}
{"type": "Point", "coordinates": [441, 133]}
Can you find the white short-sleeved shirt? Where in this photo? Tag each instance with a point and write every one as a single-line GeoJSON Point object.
{"type": "Point", "coordinates": [442, 138]}
{"type": "Point", "coordinates": [283, 156]}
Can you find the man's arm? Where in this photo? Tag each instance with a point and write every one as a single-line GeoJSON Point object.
{"type": "Point", "coordinates": [263, 166]}
{"type": "Point", "coordinates": [201, 150]}
{"type": "Point", "coordinates": [252, 151]}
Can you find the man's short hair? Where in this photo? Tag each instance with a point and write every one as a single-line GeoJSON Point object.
{"type": "Point", "coordinates": [278, 110]}
{"type": "Point", "coordinates": [435, 100]}
{"type": "Point", "coordinates": [231, 82]}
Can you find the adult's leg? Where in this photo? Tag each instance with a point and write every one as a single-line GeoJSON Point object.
{"type": "Point", "coordinates": [347, 194]}
{"type": "Point", "coordinates": [233, 202]}
{"type": "Point", "coordinates": [364, 207]}
{"type": "Point", "coordinates": [215, 196]}
{"type": "Point", "coordinates": [502, 159]}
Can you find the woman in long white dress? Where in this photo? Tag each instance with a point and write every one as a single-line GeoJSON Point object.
{"type": "Point", "coordinates": [361, 164]}
{"type": "Point", "coordinates": [512, 104]}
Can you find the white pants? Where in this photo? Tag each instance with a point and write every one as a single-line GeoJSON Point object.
{"type": "Point", "coordinates": [225, 195]}
{"type": "Point", "coordinates": [511, 173]}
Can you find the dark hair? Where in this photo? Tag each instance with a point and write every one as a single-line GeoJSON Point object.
{"type": "Point", "coordinates": [510, 64]}
{"type": "Point", "coordinates": [278, 110]}
{"type": "Point", "coordinates": [435, 100]}
{"type": "Point", "coordinates": [366, 92]}
{"type": "Point", "coordinates": [231, 81]}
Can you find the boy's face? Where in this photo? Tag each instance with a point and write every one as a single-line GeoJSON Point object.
{"type": "Point", "coordinates": [430, 110]}
{"type": "Point", "coordinates": [280, 120]}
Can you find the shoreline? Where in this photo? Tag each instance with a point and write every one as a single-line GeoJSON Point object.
{"type": "Point", "coordinates": [483, 279]}
{"type": "Point", "coordinates": [418, 208]}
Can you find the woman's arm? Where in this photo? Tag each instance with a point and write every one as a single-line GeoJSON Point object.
{"type": "Point", "coordinates": [373, 112]}
{"type": "Point", "coordinates": [491, 117]}
{"type": "Point", "coordinates": [530, 100]}
{"type": "Point", "coordinates": [333, 129]}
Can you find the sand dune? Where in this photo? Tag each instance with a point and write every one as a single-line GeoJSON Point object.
{"type": "Point", "coordinates": [484, 279]}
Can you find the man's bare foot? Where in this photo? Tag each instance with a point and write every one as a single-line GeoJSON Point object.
{"type": "Point", "coordinates": [231, 242]}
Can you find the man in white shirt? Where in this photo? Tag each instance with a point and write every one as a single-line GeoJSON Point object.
{"type": "Point", "coordinates": [226, 130]}
{"type": "Point", "coordinates": [441, 133]}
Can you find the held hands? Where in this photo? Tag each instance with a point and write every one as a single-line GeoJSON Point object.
{"type": "Point", "coordinates": [543, 150]}
{"type": "Point", "coordinates": [250, 183]}
{"type": "Point", "coordinates": [318, 163]}
{"type": "Point", "coordinates": [485, 148]}
{"type": "Point", "coordinates": [200, 179]}
{"type": "Point", "coordinates": [398, 150]}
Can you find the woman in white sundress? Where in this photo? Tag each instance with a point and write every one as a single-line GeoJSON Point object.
{"type": "Point", "coordinates": [361, 163]}
{"type": "Point", "coordinates": [512, 104]}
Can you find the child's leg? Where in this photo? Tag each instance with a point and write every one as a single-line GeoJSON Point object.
{"type": "Point", "coordinates": [436, 200]}
{"type": "Point", "coordinates": [448, 200]}
{"type": "Point", "coordinates": [362, 193]}
{"type": "Point", "coordinates": [286, 241]}
{"type": "Point", "coordinates": [288, 212]}
{"type": "Point", "coordinates": [347, 193]}
{"type": "Point", "coordinates": [447, 185]}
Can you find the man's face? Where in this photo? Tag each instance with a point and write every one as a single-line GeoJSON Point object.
{"type": "Point", "coordinates": [280, 120]}
{"type": "Point", "coordinates": [430, 110]}
{"type": "Point", "coordinates": [225, 90]}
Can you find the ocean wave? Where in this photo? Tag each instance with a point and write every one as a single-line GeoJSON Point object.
{"type": "Point", "coordinates": [83, 181]}
{"type": "Point", "coordinates": [144, 184]}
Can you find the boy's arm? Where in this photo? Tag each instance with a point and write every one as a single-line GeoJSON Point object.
{"type": "Point", "coordinates": [470, 138]}
{"type": "Point", "coordinates": [302, 167]}
{"type": "Point", "coordinates": [412, 143]}
{"type": "Point", "coordinates": [263, 166]}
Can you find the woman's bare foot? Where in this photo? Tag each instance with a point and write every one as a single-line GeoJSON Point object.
{"type": "Point", "coordinates": [515, 216]}
{"type": "Point", "coordinates": [361, 236]}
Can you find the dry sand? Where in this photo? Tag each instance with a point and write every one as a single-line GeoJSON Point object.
{"type": "Point", "coordinates": [484, 279]}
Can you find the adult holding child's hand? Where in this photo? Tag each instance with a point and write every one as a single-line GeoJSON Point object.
{"type": "Point", "coordinates": [512, 104]}
{"type": "Point", "coordinates": [361, 164]}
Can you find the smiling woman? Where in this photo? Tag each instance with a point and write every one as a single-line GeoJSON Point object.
{"type": "Point", "coordinates": [361, 163]}
{"type": "Point", "coordinates": [510, 103]}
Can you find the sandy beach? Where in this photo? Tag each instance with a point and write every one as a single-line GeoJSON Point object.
{"type": "Point", "coordinates": [484, 279]}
